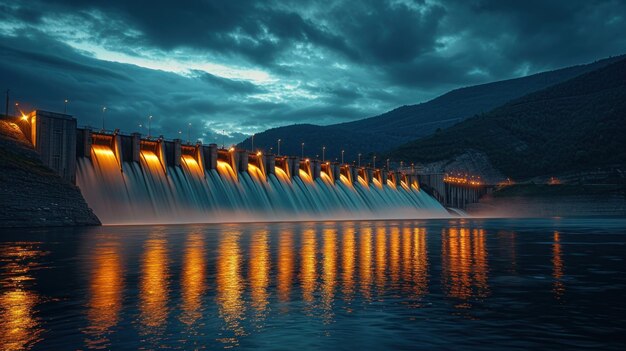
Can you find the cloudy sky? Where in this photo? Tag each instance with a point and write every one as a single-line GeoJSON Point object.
{"type": "Point", "coordinates": [242, 66]}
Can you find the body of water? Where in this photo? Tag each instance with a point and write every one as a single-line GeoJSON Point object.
{"type": "Point", "coordinates": [440, 284]}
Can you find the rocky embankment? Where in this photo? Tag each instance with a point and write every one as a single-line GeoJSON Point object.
{"type": "Point", "coordinates": [32, 195]}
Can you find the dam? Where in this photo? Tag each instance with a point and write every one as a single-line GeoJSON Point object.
{"type": "Point", "coordinates": [131, 179]}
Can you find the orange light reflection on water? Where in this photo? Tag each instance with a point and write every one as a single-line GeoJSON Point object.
{"type": "Point", "coordinates": [20, 329]}
{"type": "Point", "coordinates": [329, 274]}
{"type": "Point", "coordinates": [193, 283]}
{"type": "Point", "coordinates": [308, 272]}
{"type": "Point", "coordinates": [285, 265]}
{"type": "Point", "coordinates": [154, 285]}
{"type": "Point", "coordinates": [365, 261]}
{"type": "Point", "coordinates": [259, 271]}
{"type": "Point", "coordinates": [557, 266]}
{"type": "Point", "coordinates": [464, 264]}
{"type": "Point", "coordinates": [105, 293]}
{"type": "Point", "coordinates": [348, 262]}
{"type": "Point", "coordinates": [420, 262]}
{"type": "Point", "coordinates": [381, 259]}
{"type": "Point", "coordinates": [230, 286]}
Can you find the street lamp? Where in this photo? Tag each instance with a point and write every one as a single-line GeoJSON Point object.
{"type": "Point", "coordinates": [302, 150]}
{"type": "Point", "coordinates": [342, 151]}
{"type": "Point", "coordinates": [359, 159]}
{"type": "Point", "coordinates": [387, 165]}
{"type": "Point", "coordinates": [65, 106]}
{"type": "Point", "coordinates": [323, 153]}
{"type": "Point", "coordinates": [104, 109]}
{"type": "Point", "coordinates": [149, 126]}
{"type": "Point", "coordinates": [278, 147]}
{"type": "Point", "coordinates": [252, 142]}
{"type": "Point", "coordinates": [189, 133]}
{"type": "Point", "coordinates": [374, 162]}
{"type": "Point", "coordinates": [17, 104]}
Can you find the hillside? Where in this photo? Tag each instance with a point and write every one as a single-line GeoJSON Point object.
{"type": "Point", "coordinates": [575, 126]}
{"type": "Point", "coordinates": [31, 194]}
{"type": "Point", "coordinates": [406, 123]}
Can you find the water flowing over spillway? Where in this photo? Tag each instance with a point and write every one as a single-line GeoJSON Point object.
{"type": "Point", "coordinates": [147, 192]}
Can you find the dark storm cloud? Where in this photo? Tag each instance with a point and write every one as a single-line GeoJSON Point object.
{"type": "Point", "coordinates": [240, 66]}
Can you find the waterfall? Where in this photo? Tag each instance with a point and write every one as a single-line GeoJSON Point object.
{"type": "Point", "coordinates": [149, 193]}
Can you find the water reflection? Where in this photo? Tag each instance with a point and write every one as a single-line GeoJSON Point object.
{"type": "Point", "coordinates": [154, 285]}
{"type": "Point", "coordinates": [464, 264]}
{"type": "Point", "coordinates": [329, 272]}
{"type": "Point", "coordinates": [230, 286]}
{"type": "Point", "coordinates": [557, 266]}
{"type": "Point", "coordinates": [105, 292]}
{"type": "Point", "coordinates": [407, 258]}
{"type": "Point", "coordinates": [193, 283]}
{"type": "Point", "coordinates": [381, 259]}
{"type": "Point", "coordinates": [285, 265]}
{"type": "Point", "coordinates": [348, 261]}
{"type": "Point", "coordinates": [365, 261]}
{"type": "Point", "coordinates": [251, 285]}
{"type": "Point", "coordinates": [20, 328]}
{"type": "Point", "coordinates": [308, 269]}
{"type": "Point", "coordinates": [394, 255]}
{"type": "Point", "coordinates": [420, 263]}
{"type": "Point", "coordinates": [259, 271]}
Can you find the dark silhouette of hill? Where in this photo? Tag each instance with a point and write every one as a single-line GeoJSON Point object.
{"type": "Point", "coordinates": [391, 129]}
{"type": "Point", "coordinates": [577, 125]}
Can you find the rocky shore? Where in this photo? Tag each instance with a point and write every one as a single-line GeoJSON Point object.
{"type": "Point", "coordinates": [32, 195]}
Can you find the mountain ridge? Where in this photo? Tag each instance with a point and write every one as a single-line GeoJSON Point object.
{"type": "Point", "coordinates": [393, 128]}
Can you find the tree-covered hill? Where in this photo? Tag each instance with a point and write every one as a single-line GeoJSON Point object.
{"type": "Point", "coordinates": [577, 125]}
{"type": "Point", "coordinates": [394, 128]}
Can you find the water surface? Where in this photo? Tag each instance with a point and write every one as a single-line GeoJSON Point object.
{"type": "Point", "coordinates": [447, 284]}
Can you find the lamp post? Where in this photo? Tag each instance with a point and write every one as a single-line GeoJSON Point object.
{"type": "Point", "coordinates": [149, 126]}
{"type": "Point", "coordinates": [302, 156]}
{"type": "Point", "coordinates": [104, 109]}
{"type": "Point", "coordinates": [374, 162]}
{"type": "Point", "coordinates": [342, 151]}
{"type": "Point", "coordinates": [189, 133]}
{"type": "Point", "coordinates": [65, 106]}
{"type": "Point", "coordinates": [323, 153]}
{"type": "Point", "coordinates": [278, 150]}
{"type": "Point", "coordinates": [387, 165]}
{"type": "Point", "coordinates": [359, 159]}
{"type": "Point", "coordinates": [252, 142]}
{"type": "Point", "coordinates": [16, 108]}
{"type": "Point", "coordinates": [223, 136]}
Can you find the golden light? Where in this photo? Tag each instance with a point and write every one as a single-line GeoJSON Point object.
{"type": "Point", "coordinates": [231, 149]}
{"type": "Point", "coordinates": [24, 117]}
{"type": "Point", "coordinates": [259, 153]}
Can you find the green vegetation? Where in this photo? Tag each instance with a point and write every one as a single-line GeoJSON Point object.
{"type": "Point", "coordinates": [576, 125]}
